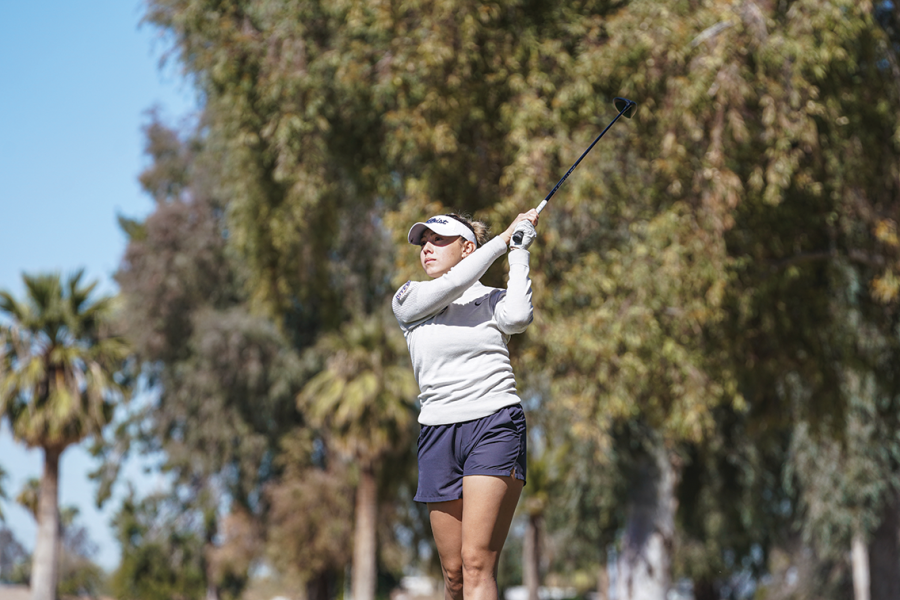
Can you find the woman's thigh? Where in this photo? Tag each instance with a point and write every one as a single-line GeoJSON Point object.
{"type": "Point", "coordinates": [480, 520]}
{"type": "Point", "coordinates": [446, 525]}
{"type": "Point", "coordinates": [489, 505]}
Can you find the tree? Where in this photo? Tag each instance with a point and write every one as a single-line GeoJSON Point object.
{"type": "Point", "coordinates": [535, 505]}
{"type": "Point", "coordinates": [310, 526]}
{"type": "Point", "coordinates": [352, 127]}
{"type": "Point", "coordinates": [29, 495]}
{"type": "Point", "coordinates": [689, 283]}
{"type": "Point", "coordinates": [847, 508]}
{"type": "Point", "coordinates": [708, 273]}
{"type": "Point", "coordinates": [78, 575]}
{"type": "Point", "coordinates": [62, 378]}
{"type": "Point", "coordinates": [2, 491]}
{"type": "Point", "coordinates": [733, 508]}
{"type": "Point", "coordinates": [14, 559]}
{"type": "Point", "coordinates": [364, 400]}
{"type": "Point", "coordinates": [223, 378]}
{"type": "Point", "coordinates": [162, 551]}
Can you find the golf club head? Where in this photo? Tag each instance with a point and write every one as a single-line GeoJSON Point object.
{"type": "Point", "coordinates": [626, 105]}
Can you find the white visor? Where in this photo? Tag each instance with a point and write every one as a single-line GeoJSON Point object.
{"type": "Point", "coordinates": [441, 225]}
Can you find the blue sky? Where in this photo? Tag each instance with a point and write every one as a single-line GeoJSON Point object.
{"type": "Point", "coordinates": [78, 78]}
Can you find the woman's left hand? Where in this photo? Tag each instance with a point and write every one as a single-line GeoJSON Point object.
{"type": "Point", "coordinates": [532, 215]}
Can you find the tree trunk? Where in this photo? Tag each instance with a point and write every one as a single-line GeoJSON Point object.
{"type": "Point", "coordinates": [45, 567]}
{"type": "Point", "coordinates": [884, 554]}
{"type": "Point", "coordinates": [603, 581]}
{"type": "Point", "coordinates": [531, 557]}
{"type": "Point", "coordinates": [210, 530]}
{"type": "Point", "coordinates": [363, 576]}
{"type": "Point", "coordinates": [323, 586]}
{"type": "Point", "coordinates": [859, 559]}
{"type": "Point", "coordinates": [644, 567]}
{"type": "Point", "coordinates": [705, 589]}
{"type": "Point", "coordinates": [212, 591]}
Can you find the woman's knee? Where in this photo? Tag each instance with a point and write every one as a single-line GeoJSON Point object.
{"type": "Point", "coordinates": [478, 563]}
{"type": "Point", "coordinates": [453, 578]}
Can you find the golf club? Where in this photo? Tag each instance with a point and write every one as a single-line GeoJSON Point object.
{"type": "Point", "coordinates": [626, 108]}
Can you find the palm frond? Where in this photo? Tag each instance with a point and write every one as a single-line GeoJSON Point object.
{"type": "Point", "coordinates": [357, 398]}
{"type": "Point", "coordinates": [11, 307]}
{"type": "Point", "coordinates": [58, 374]}
{"type": "Point", "coordinates": [321, 395]}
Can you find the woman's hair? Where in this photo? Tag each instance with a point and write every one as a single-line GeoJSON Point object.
{"type": "Point", "coordinates": [481, 230]}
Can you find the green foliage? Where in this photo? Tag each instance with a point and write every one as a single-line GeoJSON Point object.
{"type": "Point", "coordinates": [834, 477]}
{"type": "Point", "coordinates": [63, 371]}
{"type": "Point", "coordinates": [162, 551]}
{"type": "Point", "coordinates": [732, 502]}
{"type": "Point", "coordinates": [310, 528]}
{"type": "Point", "coordinates": [78, 574]}
{"type": "Point", "coordinates": [225, 378]}
{"type": "Point", "coordinates": [364, 396]}
{"type": "Point", "coordinates": [62, 367]}
{"type": "Point", "coordinates": [712, 276]}
{"type": "Point", "coordinates": [28, 496]}
{"type": "Point", "coordinates": [363, 401]}
{"type": "Point", "coordinates": [176, 260]}
{"type": "Point", "coordinates": [15, 563]}
{"type": "Point", "coordinates": [3, 495]}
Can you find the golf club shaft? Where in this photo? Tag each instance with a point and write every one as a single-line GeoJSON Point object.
{"type": "Point", "coordinates": [628, 105]}
{"type": "Point", "coordinates": [580, 158]}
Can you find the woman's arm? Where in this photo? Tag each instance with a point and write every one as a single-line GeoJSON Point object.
{"type": "Point", "coordinates": [514, 311]}
{"type": "Point", "coordinates": [418, 300]}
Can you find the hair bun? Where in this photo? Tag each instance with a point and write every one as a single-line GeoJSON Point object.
{"type": "Point", "coordinates": [479, 228]}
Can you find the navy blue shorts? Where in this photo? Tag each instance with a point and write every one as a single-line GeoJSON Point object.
{"type": "Point", "coordinates": [492, 445]}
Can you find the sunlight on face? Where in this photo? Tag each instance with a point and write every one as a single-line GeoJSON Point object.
{"type": "Point", "coordinates": [440, 253]}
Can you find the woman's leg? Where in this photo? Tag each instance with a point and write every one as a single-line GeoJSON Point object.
{"type": "Point", "coordinates": [490, 503]}
{"type": "Point", "coordinates": [446, 524]}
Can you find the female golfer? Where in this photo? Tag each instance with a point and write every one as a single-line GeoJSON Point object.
{"type": "Point", "coordinates": [471, 448]}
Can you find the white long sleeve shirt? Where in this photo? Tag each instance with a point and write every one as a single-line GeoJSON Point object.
{"type": "Point", "coordinates": [457, 332]}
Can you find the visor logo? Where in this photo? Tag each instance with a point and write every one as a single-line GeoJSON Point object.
{"type": "Point", "coordinates": [437, 220]}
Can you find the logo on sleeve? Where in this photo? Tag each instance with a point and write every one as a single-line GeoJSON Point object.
{"type": "Point", "coordinates": [403, 291]}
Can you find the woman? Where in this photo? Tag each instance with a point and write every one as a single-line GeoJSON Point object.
{"type": "Point", "coordinates": [472, 445]}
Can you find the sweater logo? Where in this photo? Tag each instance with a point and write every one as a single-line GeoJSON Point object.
{"type": "Point", "coordinates": [403, 290]}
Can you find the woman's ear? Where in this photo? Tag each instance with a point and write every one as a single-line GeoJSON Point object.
{"type": "Point", "coordinates": [468, 247]}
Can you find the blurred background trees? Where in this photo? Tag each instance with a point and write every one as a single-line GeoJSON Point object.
{"type": "Point", "coordinates": [710, 376]}
{"type": "Point", "coordinates": [715, 289]}
{"type": "Point", "coordinates": [15, 561]}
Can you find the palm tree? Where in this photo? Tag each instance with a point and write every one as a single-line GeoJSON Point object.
{"type": "Point", "coordinates": [60, 379]}
{"type": "Point", "coordinates": [28, 496]}
{"type": "Point", "coordinates": [2, 491]}
{"type": "Point", "coordinates": [364, 399]}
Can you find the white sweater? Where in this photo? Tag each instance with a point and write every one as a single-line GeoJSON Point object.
{"type": "Point", "coordinates": [457, 330]}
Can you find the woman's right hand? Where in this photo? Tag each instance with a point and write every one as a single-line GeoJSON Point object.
{"type": "Point", "coordinates": [532, 215]}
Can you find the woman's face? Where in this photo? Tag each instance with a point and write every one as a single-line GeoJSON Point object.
{"type": "Point", "coordinates": [441, 253]}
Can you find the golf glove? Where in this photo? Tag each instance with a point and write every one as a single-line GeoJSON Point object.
{"type": "Point", "coordinates": [523, 235]}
